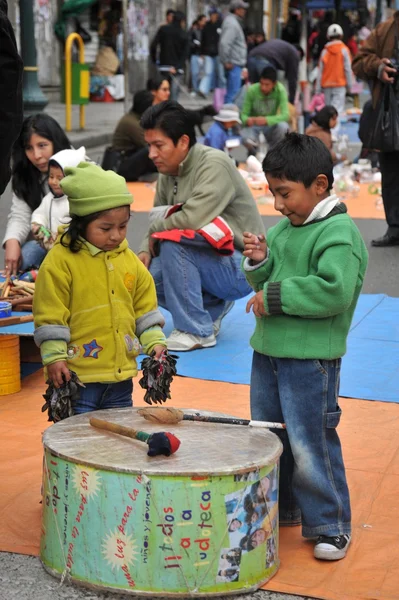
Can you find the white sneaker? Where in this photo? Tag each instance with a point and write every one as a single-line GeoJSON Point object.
{"type": "Point", "coordinates": [179, 341]}
{"type": "Point", "coordinates": [218, 322]}
{"type": "Point", "coordinates": [332, 548]}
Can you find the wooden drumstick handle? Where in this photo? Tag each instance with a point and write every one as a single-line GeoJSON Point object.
{"type": "Point", "coordinates": [115, 428]}
{"type": "Point", "coordinates": [161, 442]}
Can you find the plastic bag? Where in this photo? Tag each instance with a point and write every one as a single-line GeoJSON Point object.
{"type": "Point", "coordinates": [384, 130]}
{"type": "Point", "coordinates": [218, 98]}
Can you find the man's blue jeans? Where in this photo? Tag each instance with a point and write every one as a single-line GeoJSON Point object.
{"type": "Point", "coordinates": [304, 395]}
{"type": "Point", "coordinates": [32, 255]}
{"type": "Point", "coordinates": [193, 283]}
{"type": "Point", "coordinates": [213, 75]}
{"type": "Point", "coordinates": [273, 133]}
{"type": "Point", "coordinates": [100, 396]}
{"type": "Point", "coordinates": [233, 83]}
{"type": "Point", "coordinates": [196, 64]}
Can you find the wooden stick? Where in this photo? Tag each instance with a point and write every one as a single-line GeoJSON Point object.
{"type": "Point", "coordinates": [5, 285]}
{"type": "Point", "coordinates": [114, 428]}
{"type": "Point", "coordinates": [170, 415]}
{"type": "Point", "coordinates": [6, 321]}
{"type": "Point", "coordinates": [161, 442]}
{"type": "Point", "coordinates": [25, 307]}
{"type": "Point", "coordinates": [17, 301]}
{"type": "Point", "coordinates": [23, 284]}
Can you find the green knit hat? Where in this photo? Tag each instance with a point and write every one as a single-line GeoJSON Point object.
{"type": "Point", "coordinates": [90, 189]}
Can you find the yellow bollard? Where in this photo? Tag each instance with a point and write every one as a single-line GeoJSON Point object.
{"type": "Point", "coordinates": [68, 80]}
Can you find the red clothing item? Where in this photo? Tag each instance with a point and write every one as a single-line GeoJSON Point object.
{"type": "Point", "coordinates": [353, 47]}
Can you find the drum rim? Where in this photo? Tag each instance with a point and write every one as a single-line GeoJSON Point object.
{"type": "Point", "coordinates": [169, 469]}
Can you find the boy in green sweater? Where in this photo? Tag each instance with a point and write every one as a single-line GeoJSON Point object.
{"type": "Point", "coordinates": [307, 275]}
{"type": "Point", "coordinates": [265, 110]}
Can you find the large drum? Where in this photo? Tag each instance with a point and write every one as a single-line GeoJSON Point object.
{"type": "Point", "coordinates": [203, 521]}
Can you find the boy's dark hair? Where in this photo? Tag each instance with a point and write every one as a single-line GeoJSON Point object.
{"type": "Point", "coordinates": [71, 238]}
{"type": "Point", "coordinates": [141, 101]}
{"type": "Point", "coordinates": [299, 158]}
{"type": "Point", "coordinates": [269, 73]}
{"type": "Point", "coordinates": [170, 11]}
{"type": "Point", "coordinates": [171, 118]}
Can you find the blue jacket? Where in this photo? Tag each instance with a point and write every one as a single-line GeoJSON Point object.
{"type": "Point", "coordinates": [216, 136]}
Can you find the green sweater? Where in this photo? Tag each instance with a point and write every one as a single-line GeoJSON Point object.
{"type": "Point", "coordinates": [208, 185]}
{"type": "Point", "coordinates": [274, 106]}
{"type": "Point", "coordinates": [311, 283]}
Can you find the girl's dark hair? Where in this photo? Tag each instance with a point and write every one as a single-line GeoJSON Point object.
{"type": "Point", "coordinates": [323, 116]}
{"type": "Point", "coordinates": [27, 182]}
{"type": "Point", "coordinates": [77, 229]}
{"type": "Point", "coordinates": [154, 83]}
{"type": "Point", "coordinates": [299, 158]}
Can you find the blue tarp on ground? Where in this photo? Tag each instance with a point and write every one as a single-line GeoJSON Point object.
{"type": "Point", "coordinates": [370, 369]}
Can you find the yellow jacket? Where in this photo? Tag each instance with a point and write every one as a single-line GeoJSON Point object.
{"type": "Point", "coordinates": [94, 309]}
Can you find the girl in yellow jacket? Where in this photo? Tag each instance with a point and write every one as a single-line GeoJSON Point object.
{"type": "Point", "coordinates": [95, 304]}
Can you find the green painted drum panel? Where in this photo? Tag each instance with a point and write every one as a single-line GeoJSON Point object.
{"type": "Point", "coordinates": [146, 529]}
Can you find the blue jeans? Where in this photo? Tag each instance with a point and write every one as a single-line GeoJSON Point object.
{"type": "Point", "coordinates": [304, 395]}
{"type": "Point", "coordinates": [233, 83]}
{"type": "Point", "coordinates": [100, 396]}
{"type": "Point", "coordinates": [193, 283]}
{"type": "Point", "coordinates": [196, 64]}
{"type": "Point", "coordinates": [213, 75]}
{"type": "Point", "coordinates": [32, 255]}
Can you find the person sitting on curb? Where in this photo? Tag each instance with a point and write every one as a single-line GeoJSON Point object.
{"type": "Point", "coordinates": [265, 109]}
{"type": "Point", "coordinates": [194, 281]}
{"type": "Point", "coordinates": [217, 135]}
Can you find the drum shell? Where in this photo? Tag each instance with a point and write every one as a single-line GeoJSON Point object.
{"type": "Point", "coordinates": [161, 529]}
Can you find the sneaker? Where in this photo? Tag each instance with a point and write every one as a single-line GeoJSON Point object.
{"type": "Point", "coordinates": [218, 322]}
{"type": "Point", "coordinates": [179, 341]}
{"type": "Point", "coordinates": [331, 548]}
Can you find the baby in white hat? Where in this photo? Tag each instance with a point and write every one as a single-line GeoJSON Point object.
{"type": "Point", "coordinates": [54, 208]}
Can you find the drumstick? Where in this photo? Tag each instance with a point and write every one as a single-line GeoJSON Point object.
{"type": "Point", "coordinates": [171, 416]}
{"type": "Point", "coordinates": [161, 442]}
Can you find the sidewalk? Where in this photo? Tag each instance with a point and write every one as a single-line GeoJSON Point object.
{"type": "Point", "coordinates": [101, 119]}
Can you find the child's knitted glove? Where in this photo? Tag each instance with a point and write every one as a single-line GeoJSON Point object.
{"type": "Point", "coordinates": [60, 401]}
{"type": "Point", "coordinates": [157, 376]}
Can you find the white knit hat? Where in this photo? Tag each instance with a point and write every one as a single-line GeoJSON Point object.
{"type": "Point", "coordinates": [70, 157]}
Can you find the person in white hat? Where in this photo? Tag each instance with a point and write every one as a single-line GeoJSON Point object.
{"type": "Point", "coordinates": [53, 210]}
{"type": "Point", "coordinates": [217, 135]}
{"type": "Point", "coordinates": [335, 73]}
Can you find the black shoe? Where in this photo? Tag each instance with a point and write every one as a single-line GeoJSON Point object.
{"type": "Point", "coordinates": [331, 548]}
{"type": "Point", "coordinates": [385, 240]}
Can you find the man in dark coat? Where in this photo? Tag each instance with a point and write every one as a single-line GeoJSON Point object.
{"type": "Point", "coordinates": [11, 112]}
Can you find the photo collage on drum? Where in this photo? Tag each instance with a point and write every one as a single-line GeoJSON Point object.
{"type": "Point", "coordinates": [251, 515]}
